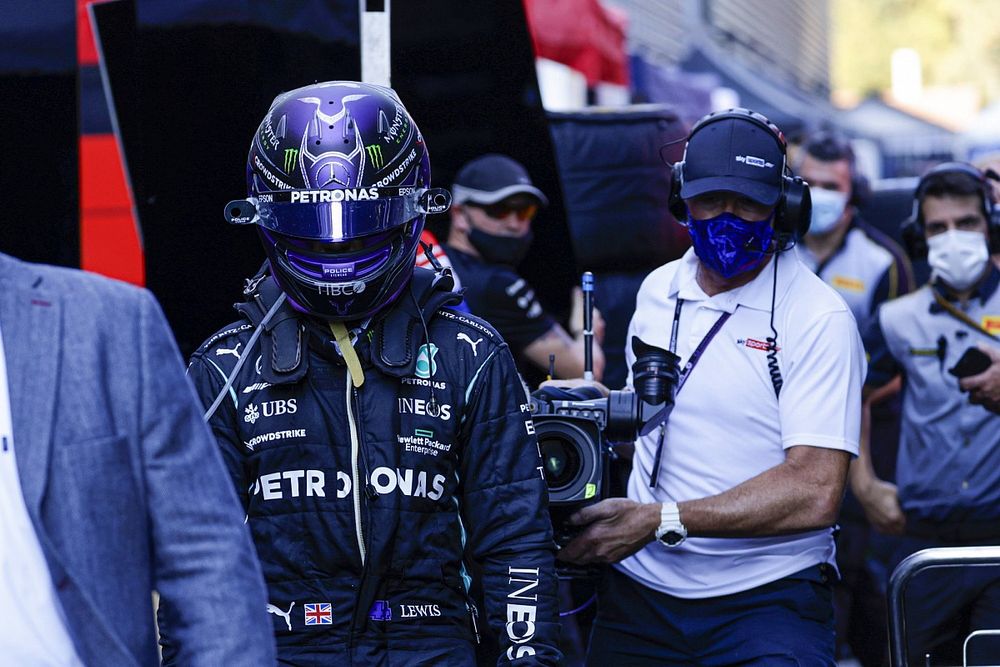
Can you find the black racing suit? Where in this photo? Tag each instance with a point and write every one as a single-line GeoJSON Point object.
{"type": "Point", "coordinates": [363, 502]}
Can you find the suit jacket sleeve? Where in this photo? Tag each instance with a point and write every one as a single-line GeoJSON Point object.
{"type": "Point", "coordinates": [212, 595]}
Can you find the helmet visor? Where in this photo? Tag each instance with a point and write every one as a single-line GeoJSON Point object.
{"type": "Point", "coordinates": [336, 215]}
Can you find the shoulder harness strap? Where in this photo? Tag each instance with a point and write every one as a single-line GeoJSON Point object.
{"type": "Point", "coordinates": [282, 341]}
{"type": "Point", "coordinates": [397, 336]}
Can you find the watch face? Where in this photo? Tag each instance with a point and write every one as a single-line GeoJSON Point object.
{"type": "Point", "coordinates": [672, 538]}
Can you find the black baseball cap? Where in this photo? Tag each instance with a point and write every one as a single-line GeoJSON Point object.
{"type": "Point", "coordinates": [734, 154]}
{"type": "Point", "coordinates": [490, 178]}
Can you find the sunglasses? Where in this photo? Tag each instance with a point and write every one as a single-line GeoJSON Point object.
{"type": "Point", "coordinates": [524, 210]}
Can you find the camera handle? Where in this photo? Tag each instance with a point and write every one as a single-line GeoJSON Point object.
{"type": "Point", "coordinates": [588, 325]}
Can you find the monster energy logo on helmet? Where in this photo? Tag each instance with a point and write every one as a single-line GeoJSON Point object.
{"type": "Point", "coordinates": [291, 156]}
{"type": "Point", "coordinates": [375, 155]}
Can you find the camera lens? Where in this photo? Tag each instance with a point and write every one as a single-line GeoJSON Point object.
{"type": "Point", "coordinates": [654, 373]}
{"type": "Point", "coordinates": [560, 461]}
{"type": "Point", "coordinates": [571, 458]}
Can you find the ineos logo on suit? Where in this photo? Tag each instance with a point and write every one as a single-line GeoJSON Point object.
{"type": "Point", "coordinates": [418, 406]}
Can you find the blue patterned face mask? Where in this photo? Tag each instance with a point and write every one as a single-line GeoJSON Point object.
{"type": "Point", "coordinates": [730, 245]}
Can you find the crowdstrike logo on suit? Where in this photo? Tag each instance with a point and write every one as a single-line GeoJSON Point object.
{"type": "Point", "coordinates": [252, 443]}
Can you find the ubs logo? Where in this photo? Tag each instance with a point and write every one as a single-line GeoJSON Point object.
{"type": "Point", "coordinates": [270, 409]}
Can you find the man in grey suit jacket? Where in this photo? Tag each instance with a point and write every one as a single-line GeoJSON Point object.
{"type": "Point", "coordinates": [122, 482]}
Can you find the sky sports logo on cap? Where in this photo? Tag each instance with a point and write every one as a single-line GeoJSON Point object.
{"type": "Point", "coordinates": [754, 161]}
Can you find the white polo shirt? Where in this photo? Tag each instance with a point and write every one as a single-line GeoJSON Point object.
{"type": "Point", "coordinates": [33, 630]}
{"type": "Point", "coordinates": [727, 425]}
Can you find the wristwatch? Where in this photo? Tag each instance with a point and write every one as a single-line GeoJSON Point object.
{"type": "Point", "coordinates": [671, 531]}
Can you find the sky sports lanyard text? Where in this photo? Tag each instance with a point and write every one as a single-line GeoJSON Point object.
{"type": "Point", "coordinates": [684, 374]}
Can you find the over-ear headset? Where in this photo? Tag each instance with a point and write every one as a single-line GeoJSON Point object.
{"type": "Point", "coordinates": [912, 229]}
{"type": "Point", "coordinates": [794, 207]}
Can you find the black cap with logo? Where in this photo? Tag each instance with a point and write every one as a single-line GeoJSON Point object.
{"type": "Point", "coordinates": [734, 155]}
{"type": "Point", "coordinates": [490, 178]}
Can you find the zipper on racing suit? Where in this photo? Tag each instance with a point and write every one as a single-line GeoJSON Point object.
{"type": "Point", "coordinates": [355, 468]}
{"type": "Point", "coordinates": [359, 463]}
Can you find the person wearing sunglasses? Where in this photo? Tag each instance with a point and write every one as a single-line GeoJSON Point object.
{"type": "Point", "coordinates": [494, 203]}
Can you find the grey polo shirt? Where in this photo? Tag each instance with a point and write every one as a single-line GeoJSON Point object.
{"type": "Point", "coordinates": [948, 467]}
{"type": "Point", "coordinates": [867, 269]}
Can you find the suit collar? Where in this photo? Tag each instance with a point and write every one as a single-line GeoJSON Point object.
{"type": "Point", "coordinates": [30, 319]}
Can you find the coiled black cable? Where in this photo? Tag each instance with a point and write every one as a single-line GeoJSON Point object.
{"type": "Point", "coordinates": [772, 341]}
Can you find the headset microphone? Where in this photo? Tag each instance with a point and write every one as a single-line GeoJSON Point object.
{"type": "Point", "coordinates": [588, 325]}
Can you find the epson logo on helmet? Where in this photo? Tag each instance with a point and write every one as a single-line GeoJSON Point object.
{"type": "Point", "coordinates": [323, 196]}
{"type": "Point", "coordinates": [338, 289]}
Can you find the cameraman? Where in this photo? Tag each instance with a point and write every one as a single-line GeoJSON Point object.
{"type": "Point", "coordinates": [723, 551]}
{"type": "Point", "coordinates": [947, 470]}
{"type": "Point", "coordinates": [867, 268]}
{"type": "Point", "coordinates": [494, 205]}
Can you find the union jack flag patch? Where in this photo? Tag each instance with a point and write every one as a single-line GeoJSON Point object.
{"type": "Point", "coordinates": [320, 613]}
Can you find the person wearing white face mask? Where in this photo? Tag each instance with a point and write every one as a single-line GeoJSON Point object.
{"type": "Point", "coordinates": [959, 258]}
{"type": "Point", "coordinates": [866, 268]}
{"type": "Point", "coordinates": [947, 490]}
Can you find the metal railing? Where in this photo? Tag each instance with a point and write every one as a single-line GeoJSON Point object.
{"type": "Point", "coordinates": [918, 562]}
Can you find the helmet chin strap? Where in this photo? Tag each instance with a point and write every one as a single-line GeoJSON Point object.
{"type": "Point", "coordinates": [347, 350]}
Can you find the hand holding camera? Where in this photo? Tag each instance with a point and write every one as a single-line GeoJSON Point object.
{"type": "Point", "coordinates": [615, 528]}
{"type": "Point", "coordinates": [576, 426]}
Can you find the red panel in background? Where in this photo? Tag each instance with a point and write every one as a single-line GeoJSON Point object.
{"type": "Point", "coordinates": [584, 34]}
{"type": "Point", "coordinates": [86, 52]}
{"type": "Point", "coordinates": [109, 237]}
{"type": "Point", "coordinates": [109, 241]}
